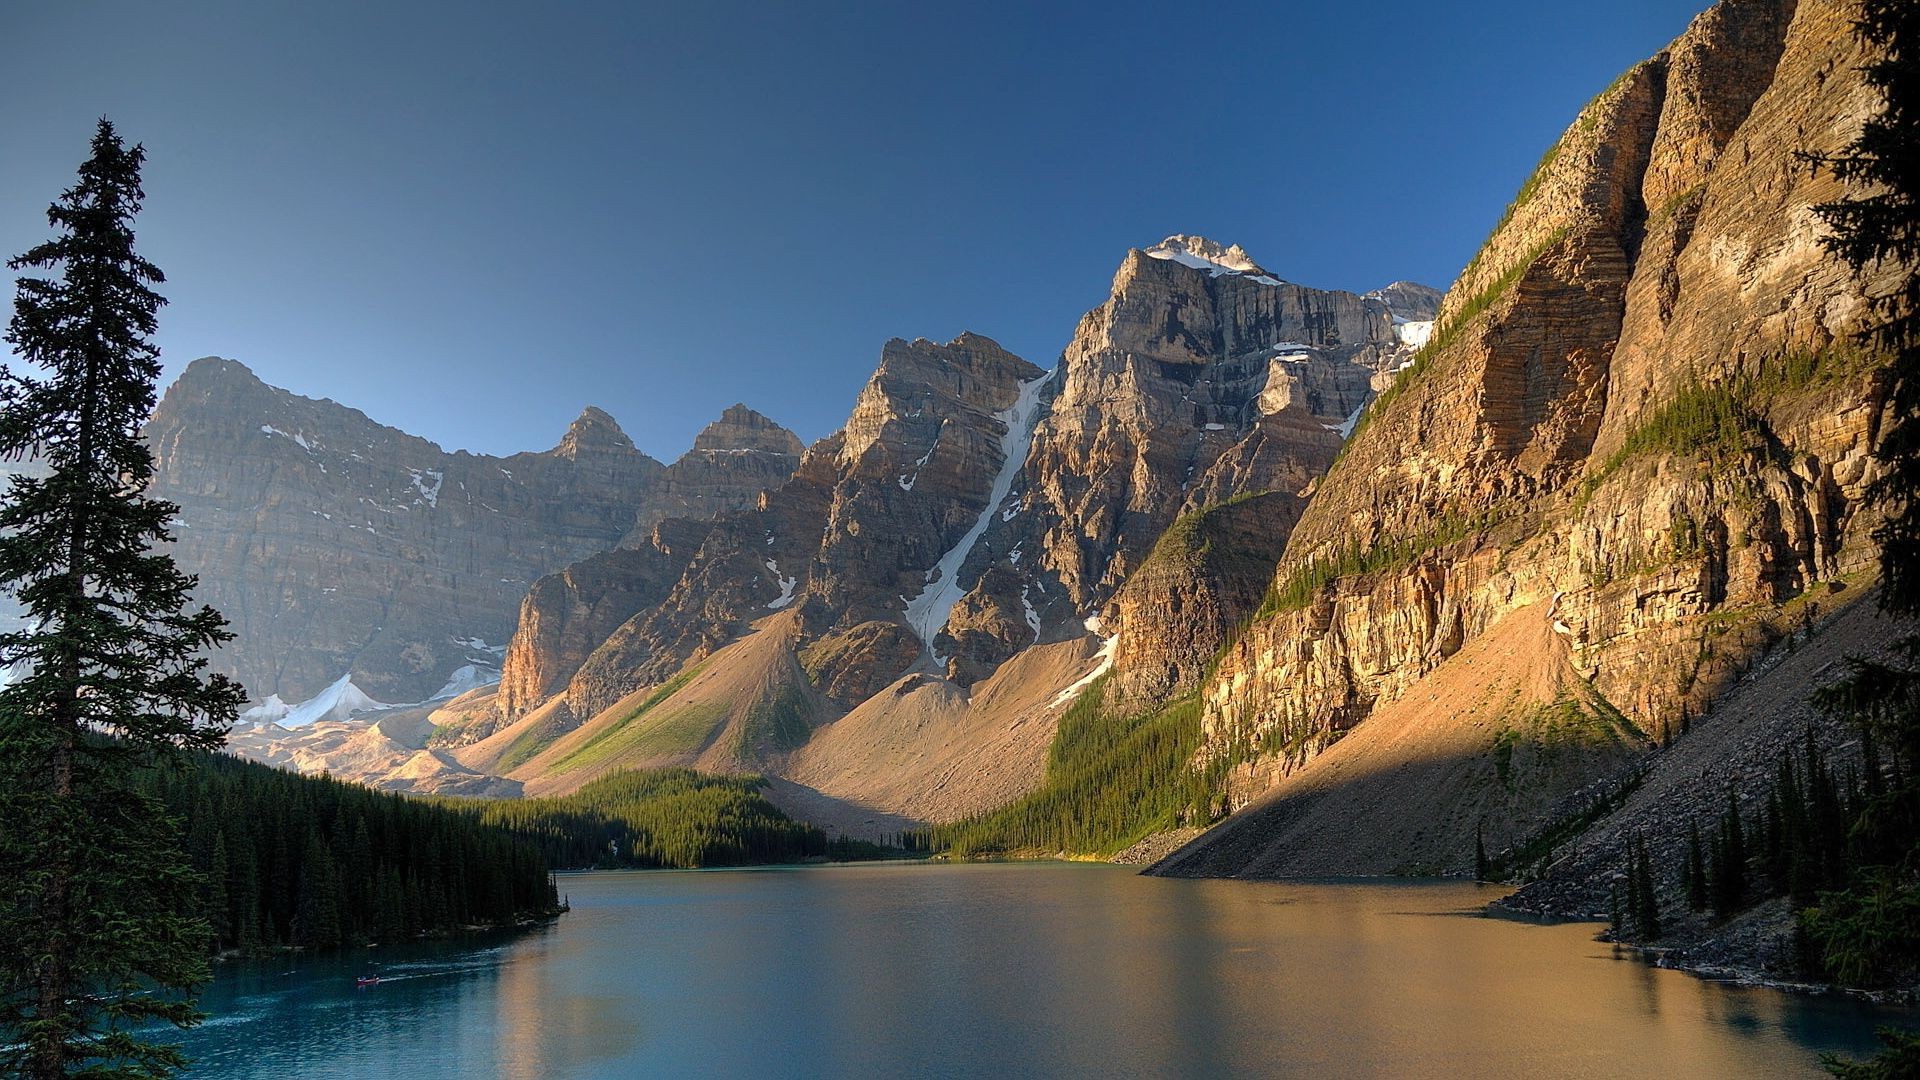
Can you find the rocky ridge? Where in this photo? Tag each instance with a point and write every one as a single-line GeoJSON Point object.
{"type": "Point", "coordinates": [342, 548]}
{"type": "Point", "coordinates": [1638, 412]}
{"type": "Point", "coordinates": [903, 541]}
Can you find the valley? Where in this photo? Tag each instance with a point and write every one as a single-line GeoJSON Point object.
{"type": "Point", "coordinates": [1256, 580]}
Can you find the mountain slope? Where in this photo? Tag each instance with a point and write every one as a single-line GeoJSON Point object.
{"type": "Point", "coordinates": [1638, 408]}
{"type": "Point", "coordinates": [902, 543]}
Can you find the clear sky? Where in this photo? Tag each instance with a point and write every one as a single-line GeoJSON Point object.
{"type": "Point", "coordinates": [471, 219]}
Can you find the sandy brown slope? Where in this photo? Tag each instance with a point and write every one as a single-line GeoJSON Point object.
{"type": "Point", "coordinates": [924, 749]}
{"type": "Point", "coordinates": [1495, 737]}
{"type": "Point", "coordinates": [514, 744]}
{"type": "Point", "coordinates": [389, 751]}
{"type": "Point", "coordinates": [740, 709]}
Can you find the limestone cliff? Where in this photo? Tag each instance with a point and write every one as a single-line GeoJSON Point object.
{"type": "Point", "coordinates": [734, 460]}
{"type": "Point", "coordinates": [1204, 377]}
{"type": "Point", "coordinates": [339, 546]}
{"type": "Point", "coordinates": [1638, 413]}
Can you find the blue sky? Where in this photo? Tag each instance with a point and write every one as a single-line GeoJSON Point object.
{"type": "Point", "coordinates": [470, 220]}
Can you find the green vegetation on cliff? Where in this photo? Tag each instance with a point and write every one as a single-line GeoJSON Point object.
{"type": "Point", "coordinates": [1720, 422]}
{"type": "Point", "coordinates": [1112, 780]}
{"type": "Point", "coordinates": [1298, 589]}
{"type": "Point", "coordinates": [649, 730]}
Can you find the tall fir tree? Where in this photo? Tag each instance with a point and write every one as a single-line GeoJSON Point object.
{"type": "Point", "coordinates": [98, 906]}
{"type": "Point", "coordinates": [1870, 928]}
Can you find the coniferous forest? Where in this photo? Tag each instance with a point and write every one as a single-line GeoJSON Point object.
{"type": "Point", "coordinates": [285, 859]}
{"type": "Point", "coordinates": [654, 818]}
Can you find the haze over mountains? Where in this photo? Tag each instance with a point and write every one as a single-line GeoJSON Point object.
{"type": "Point", "coordinates": [1433, 568]}
{"type": "Point", "coordinates": [972, 507]}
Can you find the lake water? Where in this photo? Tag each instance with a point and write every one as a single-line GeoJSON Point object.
{"type": "Point", "coordinates": [1009, 970]}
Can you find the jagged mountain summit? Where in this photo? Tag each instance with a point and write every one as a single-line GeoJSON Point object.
{"type": "Point", "coordinates": [974, 509]}
{"type": "Point", "coordinates": [360, 565]}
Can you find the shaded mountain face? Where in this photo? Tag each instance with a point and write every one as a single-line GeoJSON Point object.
{"type": "Point", "coordinates": [1640, 419]}
{"type": "Point", "coordinates": [733, 460]}
{"type": "Point", "coordinates": [340, 548]}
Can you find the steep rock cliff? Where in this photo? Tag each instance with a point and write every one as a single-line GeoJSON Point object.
{"type": "Point", "coordinates": [339, 546]}
{"type": "Point", "coordinates": [734, 460]}
{"type": "Point", "coordinates": [1203, 377]}
{"type": "Point", "coordinates": [852, 539]}
{"type": "Point", "coordinates": [1637, 411]}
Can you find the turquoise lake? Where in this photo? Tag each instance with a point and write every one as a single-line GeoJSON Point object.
{"type": "Point", "coordinates": [1010, 970]}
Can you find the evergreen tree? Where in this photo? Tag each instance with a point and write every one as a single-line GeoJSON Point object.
{"type": "Point", "coordinates": [1642, 896]}
{"type": "Point", "coordinates": [1899, 1061]}
{"type": "Point", "coordinates": [1869, 929]}
{"type": "Point", "coordinates": [1728, 869]}
{"type": "Point", "coordinates": [1481, 870]}
{"type": "Point", "coordinates": [1696, 870]}
{"type": "Point", "coordinates": [97, 903]}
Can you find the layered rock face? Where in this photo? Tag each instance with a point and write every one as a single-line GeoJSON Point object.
{"type": "Point", "coordinates": [1202, 378]}
{"type": "Point", "coordinates": [1637, 411]}
{"type": "Point", "coordinates": [1205, 575]}
{"type": "Point", "coordinates": [565, 616]}
{"type": "Point", "coordinates": [337, 546]}
{"type": "Point", "coordinates": [735, 460]}
{"type": "Point", "coordinates": [857, 533]}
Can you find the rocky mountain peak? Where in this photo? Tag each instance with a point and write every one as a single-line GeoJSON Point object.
{"type": "Point", "coordinates": [1204, 254]}
{"type": "Point", "coordinates": [593, 432]}
{"type": "Point", "coordinates": [209, 370]}
{"type": "Point", "coordinates": [741, 429]}
{"type": "Point", "coordinates": [1409, 301]}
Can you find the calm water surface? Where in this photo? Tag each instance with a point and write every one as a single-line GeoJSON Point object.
{"type": "Point", "coordinates": [1004, 971]}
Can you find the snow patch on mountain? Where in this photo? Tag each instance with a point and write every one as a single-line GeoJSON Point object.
{"type": "Point", "coordinates": [1414, 334]}
{"type": "Point", "coordinates": [427, 482]}
{"type": "Point", "coordinates": [928, 612]}
{"type": "Point", "coordinates": [465, 678]}
{"type": "Point", "coordinates": [786, 587]}
{"type": "Point", "coordinates": [1201, 253]}
{"type": "Point", "coordinates": [1103, 661]}
{"type": "Point", "coordinates": [1345, 427]}
{"type": "Point", "coordinates": [337, 702]}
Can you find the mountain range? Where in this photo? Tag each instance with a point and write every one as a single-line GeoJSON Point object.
{"type": "Point", "coordinates": [1439, 571]}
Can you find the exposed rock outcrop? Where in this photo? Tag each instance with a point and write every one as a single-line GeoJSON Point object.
{"type": "Point", "coordinates": [734, 460]}
{"type": "Point", "coordinates": [1204, 577]}
{"type": "Point", "coordinates": [856, 534]}
{"type": "Point", "coordinates": [1636, 413]}
{"type": "Point", "coordinates": [1203, 378]}
{"type": "Point", "coordinates": [339, 546]}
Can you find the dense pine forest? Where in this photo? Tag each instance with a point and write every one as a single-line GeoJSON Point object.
{"type": "Point", "coordinates": [285, 859]}
{"type": "Point", "coordinates": [662, 818]}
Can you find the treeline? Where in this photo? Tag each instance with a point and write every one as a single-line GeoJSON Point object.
{"type": "Point", "coordinates": [1804, 844]}
{"type": "Point", "coordinates": [663, 818]}
{"type": "Point", "coordinates": [1111, 781]}
{"type": "Point", "coordinates": [285, 859]}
